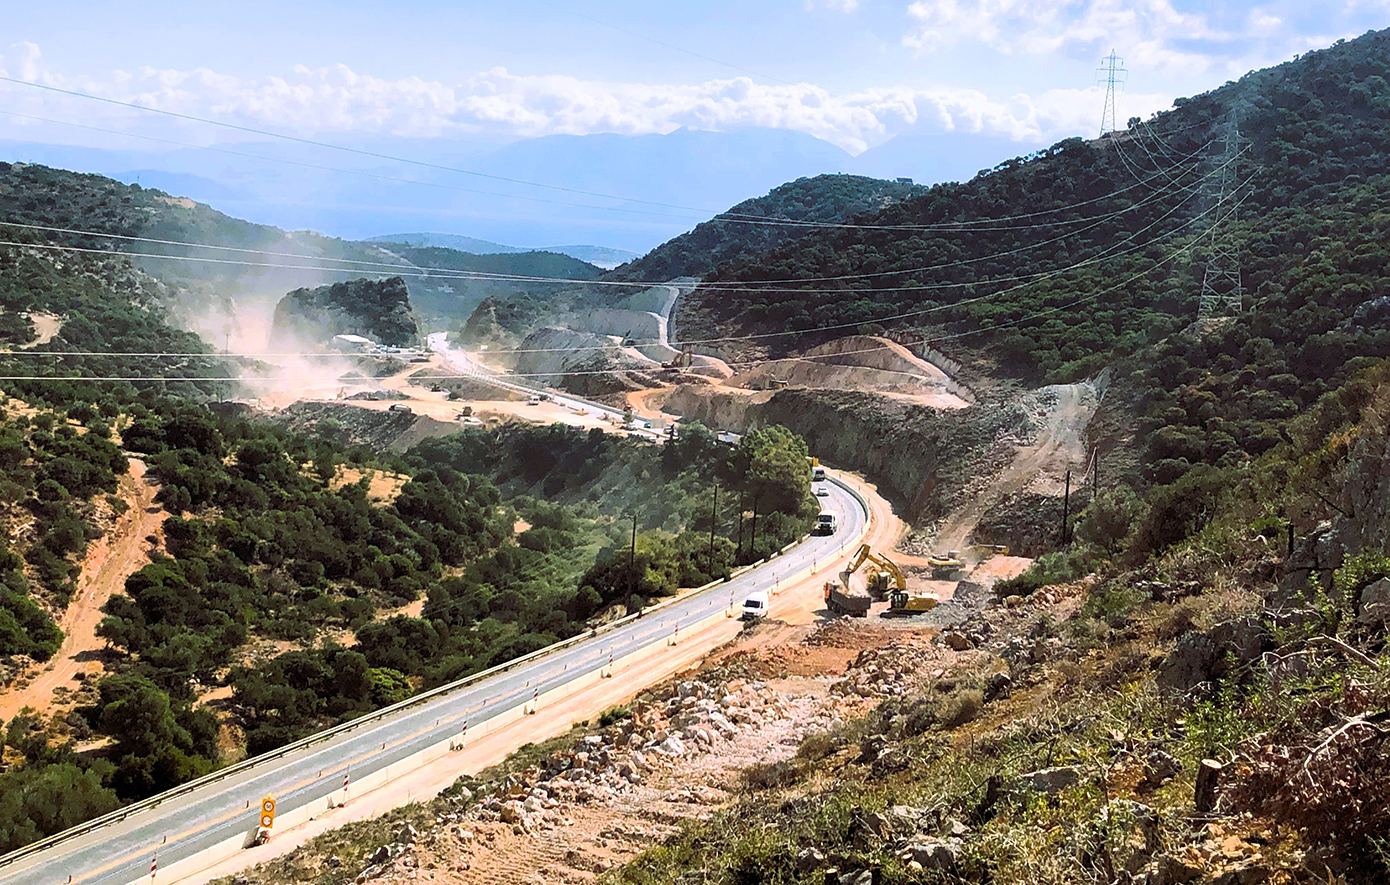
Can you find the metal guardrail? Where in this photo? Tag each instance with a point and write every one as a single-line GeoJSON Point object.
{"type": "Point", "coordinates": [246, 765]}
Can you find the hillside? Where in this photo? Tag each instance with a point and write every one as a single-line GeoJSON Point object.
{"type": "Point", "coordinates": [599, 256]}
{"type": "Point", "coordinates": [376, 309]}
{"type": "Point", "coordinates": [230, 294]}
{"type": "Point", "coordinates": [276, 597]}
{"type": "Point", "coordinates": [1047, 266]}
{"type": "Point", "coordinates": [823, 199]}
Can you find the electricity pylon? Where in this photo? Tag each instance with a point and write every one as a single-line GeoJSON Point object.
{"type": "Point", "coordinates": [1221, 289]}
{"type": "Point", "coordinates": [1112, 69]}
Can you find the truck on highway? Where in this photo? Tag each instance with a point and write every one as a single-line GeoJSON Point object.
{"type": "Point", "coordinates": [826, 524]}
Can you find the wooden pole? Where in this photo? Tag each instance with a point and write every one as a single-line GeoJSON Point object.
{"type": "Point", "coordinates": [740, 527]}
{"type": "Point", "coordinates": [1066, 509]}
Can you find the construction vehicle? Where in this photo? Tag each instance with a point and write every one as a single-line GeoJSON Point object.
{"type": "Point", "coordinates": [944, 566]}
{"type": "Point", "coordinates": [884, 570]}
{"type": "Point", "coordinates": [843, 599]}
{"type": "Point", "coordinates": [900, 602]}
{"type": "Point", "coordinates": [679, 361]}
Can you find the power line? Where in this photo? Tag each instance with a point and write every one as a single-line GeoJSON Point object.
{"type": "Point", "coordinates": [1112, 252]}
{"type": "Point", "coordinates": [502, 376]}
{"type": "Point", "coordinates": [398, 270]}
{"type": "Point", "coordinates": [376, 155]}
{"type": "Point", "coordinates": [727, 216]}
{"type": "Point", "coordinates": [359, 172]}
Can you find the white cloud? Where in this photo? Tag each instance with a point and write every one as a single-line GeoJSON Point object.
{"type": "Point", "coordinates": [335, 101]}
{"type": "Point", "coordinates": [1150, 30]}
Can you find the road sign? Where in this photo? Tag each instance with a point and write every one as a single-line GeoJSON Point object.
{"type": "Point", "coordinates": [267, 812]}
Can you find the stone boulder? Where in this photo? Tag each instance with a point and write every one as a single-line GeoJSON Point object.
{"type": "Point", "coordinates": [1373, 609]}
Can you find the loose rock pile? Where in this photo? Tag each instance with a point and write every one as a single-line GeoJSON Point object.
{"type": "Point", "coordinates": [891, 671]}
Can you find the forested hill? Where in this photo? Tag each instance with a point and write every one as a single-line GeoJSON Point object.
{"type": "Point", "coordinates": [1104, 223]}
{"type": "Point", "coordinates": [205, 280]}
{"type": "Point", "coordinates": [824, 199]}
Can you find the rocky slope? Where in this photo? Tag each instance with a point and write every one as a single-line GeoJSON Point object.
{"type": "Point", "coordinates": [375, 309]}
{"type": "Point", "coordinates": [921, 456]}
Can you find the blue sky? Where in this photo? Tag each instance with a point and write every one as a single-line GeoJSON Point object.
{"type": "Point", "coordinates": [853, 72]}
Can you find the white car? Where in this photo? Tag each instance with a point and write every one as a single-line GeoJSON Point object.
{"type": "Point", "coordinates": [822, 492]}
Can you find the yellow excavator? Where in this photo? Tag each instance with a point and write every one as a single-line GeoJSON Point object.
{"type": "Point", "coordinates": [899, 600]}
{"type": "Point", "coordinates": [681, 360]}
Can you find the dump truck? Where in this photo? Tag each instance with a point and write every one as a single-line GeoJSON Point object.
{"type": "Point", "coordinates": [841, 598]}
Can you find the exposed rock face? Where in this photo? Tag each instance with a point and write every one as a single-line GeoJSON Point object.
{"type": "Point", "coordinates": [375, 309]}
{"type": "Point", "coordinates": [921, 455]}
{"type": "Point", "coordinates": [1365, 494]}
{"type": "Point", "coordinates": [582, 363]}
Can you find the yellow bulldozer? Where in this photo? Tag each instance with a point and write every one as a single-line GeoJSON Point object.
{"type": "Point", "coordinates": [945, 565]}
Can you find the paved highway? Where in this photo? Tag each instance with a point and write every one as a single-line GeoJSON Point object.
{"type": "Point", "coordinates": [182, 826]}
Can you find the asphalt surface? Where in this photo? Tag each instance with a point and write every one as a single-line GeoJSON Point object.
{"type": "Point", "coordinates": [461, 362]}
{"type": "Point", "coordinates": [182, 826]}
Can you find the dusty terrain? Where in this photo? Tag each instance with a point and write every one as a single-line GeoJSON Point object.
{"type": "Point", "coordinates": [109, 561]}
{"type": "Point", "coordinates": [1059, 446]}
{"type": "Point", "coordinates": [584, 803]}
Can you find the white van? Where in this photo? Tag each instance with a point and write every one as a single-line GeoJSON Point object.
{"type": "Point", "coordinates": [755, 606]}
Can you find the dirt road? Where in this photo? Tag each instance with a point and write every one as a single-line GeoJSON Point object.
{"type": "Point", "coordinates": [109, 561]}
{"type": "Point", "coordinates": [1060, 446]}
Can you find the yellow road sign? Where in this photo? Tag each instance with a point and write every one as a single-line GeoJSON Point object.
{"type": "Point", "coordinates": [267, 812]}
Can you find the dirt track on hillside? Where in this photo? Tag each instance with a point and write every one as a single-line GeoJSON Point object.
{"type": "Point", "coordinates": [109, 561]}
{"type": "Point", "coordinates": [1060, 447]}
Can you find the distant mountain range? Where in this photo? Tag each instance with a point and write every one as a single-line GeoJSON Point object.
{"type": "Point", "coordinates": [599, 256]}
{"type": "Point", "coordinates": [675, 181]}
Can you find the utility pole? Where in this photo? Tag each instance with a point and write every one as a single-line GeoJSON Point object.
{"type": "Point", "coordinates": [632, 554]}
{"type": "Point", "coordinates": [753, 544]}
{"type": "Point", "coordinates": [1095, 474]}
{"type": "Point", "coordinates": [1221, 289]}
{"type": "Point", "coordinates": [740, 527]}
{"type": "Point", "coordinates": [1066, 508]}
{"type": "Point", "coordinates": [713, 518]}
{"type": "Point", "coordinates": [1113, 71]}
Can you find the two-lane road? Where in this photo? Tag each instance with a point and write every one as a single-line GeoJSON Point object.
{"type": "Point", "coordinates": [183, 826]}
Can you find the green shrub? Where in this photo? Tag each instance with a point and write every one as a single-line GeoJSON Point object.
{"type": "Point", "coordinates": [1360, 571]}
{"type": "Point", "coordinates": [613, 715]}
{"type": "Point", "coordinates": [962, 708]}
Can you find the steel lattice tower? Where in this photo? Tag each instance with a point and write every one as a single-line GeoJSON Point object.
{"type": "Point", "coordinates": [1112, 70]}
{"type": "Point", "coordinates": [1221, 289]}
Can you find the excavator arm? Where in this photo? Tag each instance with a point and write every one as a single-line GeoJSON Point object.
{"type": "Point", "coordinates": [891, 568]}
